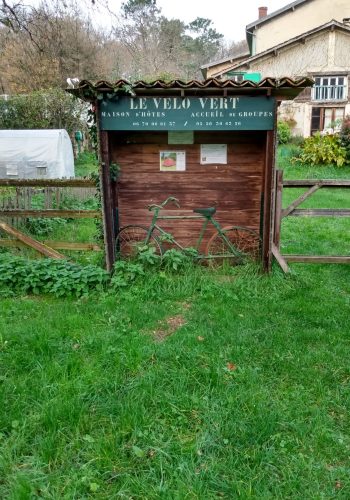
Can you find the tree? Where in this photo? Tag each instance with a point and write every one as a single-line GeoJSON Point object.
{"type": "Point", "coordinates": [61, 44]}
{"type": "Point", "coordinates": [53, 109]}
{"type": "Point", "coordinates": [158, 45]}
{"type": "Point", "coordinates": [202, 45]}
{"type": "Point", "coordinates": [40, 47]}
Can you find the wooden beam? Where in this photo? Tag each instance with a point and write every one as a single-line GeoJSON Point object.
{"type": "Point", "coordinates": [280, 259]}
{"type": "Point", "coordinates": [320, 212]}
{"type": "Point", "coordinates": [30, 242]}
{"type": "Point", "coordinates": [107, 201]}
{"type": "Point", "coordinates": [318, 259]}
{"type": "Point", "coordinates": [268, 199]}
{"type": "Point", "coordinates": [48, 182]}
{"type": "Point", "coordinates": [312, 182]}
{"type": "Point", "coordinates": [278, 208]}
{"type": "Point", "coordinates": [300, 200]}
{"type": "Point", "coordinates": [65, 214]}
{"type": "Point", "coordinates": [59, 245]}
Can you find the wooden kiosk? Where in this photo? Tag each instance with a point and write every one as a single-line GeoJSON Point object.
{"type": "Point", "coordinates": [205, 143]}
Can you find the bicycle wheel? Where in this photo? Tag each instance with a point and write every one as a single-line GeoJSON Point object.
{"type": "Point", "coordinates": [131, 238]}
{"type": "Point", "coordinates": [245, 240]}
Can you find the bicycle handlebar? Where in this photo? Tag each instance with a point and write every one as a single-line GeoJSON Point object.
{"type": "Point", "coordinates": [162, 205]}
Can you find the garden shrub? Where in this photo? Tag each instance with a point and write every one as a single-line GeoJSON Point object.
{"type": "Point", "coordinates": [43, 109]}
{"type": "Point", "coordinates": [43, 226]}
{"type": "Point", "coordinates": [48, 276]}
{"type": "Point", "coordinates": [345, 136]}
{"type": "Point", "coordinates": [284, 133]}
{"type": "Point", "coordinates": [297, 140]}
{"type": "Point", "coordinates": [61, 278]}
{"type": "Point", "coordinates": [322, 150]}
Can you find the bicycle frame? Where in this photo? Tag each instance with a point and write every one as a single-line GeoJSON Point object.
{"type": "Point", "coordinates": [206, 221]}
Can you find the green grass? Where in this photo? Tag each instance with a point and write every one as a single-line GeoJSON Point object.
{"type": "Point", "coordinates": [85, 164]}
{"type": "Point", "coordinates": [292, 171]}
{"type": "Point", "coordinates": [96, 407]}
{"type": "Point", "coordinates": [248, 398]}
{"type": "Point", "coordinates": [315, 235]}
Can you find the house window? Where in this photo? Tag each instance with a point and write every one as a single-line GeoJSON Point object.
{"type": "Point", "coordinates": [329, 88]}
{"type": "Point", "coordinates": [326, 118]}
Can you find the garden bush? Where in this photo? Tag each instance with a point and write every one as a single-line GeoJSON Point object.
{"type": "Point", "coordinates": [43, 109]}
{"type": "Point", "coordinates": [322, 150]}
{"type": "Point", "coordinates": [297, 140]}
{"type": "Point", "coordinates": [345, 137]}
{"type": "Point", "coordinates": [284, 133]}
{"type": "Point", "coordinates": [61, 278]}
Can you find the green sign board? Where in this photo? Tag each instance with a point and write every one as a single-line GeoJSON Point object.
{"type": "Point", "coordinates": [188, 113]}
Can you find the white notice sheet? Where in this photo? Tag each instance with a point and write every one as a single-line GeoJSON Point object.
{"type": "Point", "coordinates": [213, 153]}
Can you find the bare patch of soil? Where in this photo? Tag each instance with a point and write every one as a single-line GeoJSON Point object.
{"type": "Point", "coordinates": [169, 327]}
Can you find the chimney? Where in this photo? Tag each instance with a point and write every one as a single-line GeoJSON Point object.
{"type": "Point", "coordinates": [262, 12]}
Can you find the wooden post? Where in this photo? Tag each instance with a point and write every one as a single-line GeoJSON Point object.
{"type": "Point", "coordinates": [268, 201]}
{"type": "Point", "coordinates": [278, 209]}
{"type": "Point", "coordinates": [107, 201]}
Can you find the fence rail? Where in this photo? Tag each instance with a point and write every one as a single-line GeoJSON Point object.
{"type": "Point", "coordinates": [77, 182]}
{"type": "Point", "coordinates": [42, 198]}
{"type": "Point", "coordinates": [292, 210]}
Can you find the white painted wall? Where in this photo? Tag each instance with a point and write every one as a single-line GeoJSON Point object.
{"type": "Point", "coordinates": [323, 52]}
{"type": "Point", "coordinates": [304, 18]}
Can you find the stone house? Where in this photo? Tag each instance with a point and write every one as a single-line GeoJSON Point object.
{"type": "Point", "coordinates": [304, 38]}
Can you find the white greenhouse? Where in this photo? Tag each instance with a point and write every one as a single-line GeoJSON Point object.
{"type": "Point", "coordinates": [36, 154]}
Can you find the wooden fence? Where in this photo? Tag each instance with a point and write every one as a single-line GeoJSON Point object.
{"type": "Point", "coordinates": [312, 186]}
{"type": "Point", "coordinates": [17, 203]}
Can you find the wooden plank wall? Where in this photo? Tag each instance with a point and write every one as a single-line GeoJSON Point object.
{"type": "Point", "coordinates": [235, 188]}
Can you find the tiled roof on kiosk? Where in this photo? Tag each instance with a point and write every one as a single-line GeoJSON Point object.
{"type": "Point", "coordinates": [271, 86]}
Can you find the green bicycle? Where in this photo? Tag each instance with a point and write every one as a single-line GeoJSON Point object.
{"type": "Point", "coordinates": [234, 243]}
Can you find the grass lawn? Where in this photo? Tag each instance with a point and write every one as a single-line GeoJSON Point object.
{"type": "Point", "coordinates": [194, 385]}
{"type": "Point", "coordinates": [315, 235]}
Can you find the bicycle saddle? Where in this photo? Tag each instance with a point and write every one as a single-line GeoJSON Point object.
{"type": "Point", "coordinates": [207, 212]}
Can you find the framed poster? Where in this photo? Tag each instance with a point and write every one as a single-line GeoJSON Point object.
{"type": "Point", "coordinates": [172, 161]}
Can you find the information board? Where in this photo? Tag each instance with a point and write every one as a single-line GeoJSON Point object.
{"type": "Point", "coordinates": [187, 113]}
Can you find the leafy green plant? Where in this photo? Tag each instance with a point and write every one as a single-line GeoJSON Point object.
{"type": "Point", "coordinates": [125, 273]}
{"type": "Point", "coordinates": [322, 150]}
{"type": "Point", "coordinates": [147, 256]}
{"type": "Point", "coordinates": [85, 164]}
{"type": "Point", "coordinates": [43, 226]}
{"type": "Point", "coordinates": [345, 137]}
{"type": "Point", "coordinates": [92, 128]}
{"type": "Point", "coordinates": [297, 140]}
{"type": "Point", "coordinates": [114, 171]}
{"type": "Point", "coordinates": [284, 133]}
{"type": "Point", "coordinates": [48, 276]}
{"type": "Point", "coordinates": [174, 259]}
{"type": "Point", "coordinates": [43, 109]}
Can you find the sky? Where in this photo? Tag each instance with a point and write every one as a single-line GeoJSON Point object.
{"type": "Point", "coordinates": [229, 16]}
